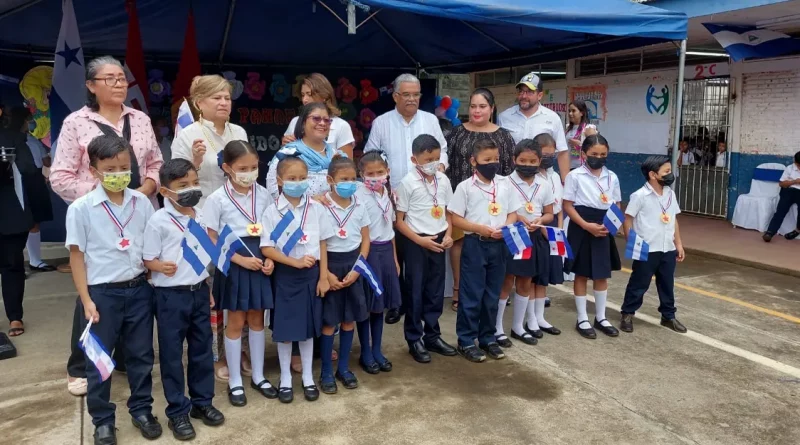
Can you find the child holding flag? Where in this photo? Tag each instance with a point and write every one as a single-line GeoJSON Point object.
{"type": "Point", "coordinates": [182, 300]}
{"type": "Point", "coordinates": [481, 206]}
{"type": "Point", "coordinates": [591, 193]}
{"type": "Point", "coordinates": [654, 243]}
{"type": "Point", "coordinates": [295, 236]}
{"type": "Point", "coordinates": [246, 290]}
{"type": "Point", "coordinates": [105, 237]}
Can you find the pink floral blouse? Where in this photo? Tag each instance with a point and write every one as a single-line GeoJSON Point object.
{"type": "Point", "coordinates": [70, 176]}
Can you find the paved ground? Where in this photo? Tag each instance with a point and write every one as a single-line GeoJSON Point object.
{"type": "Point", "coordinates": [734, 380]}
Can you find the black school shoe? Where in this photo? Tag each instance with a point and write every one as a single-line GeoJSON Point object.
{"type": "Point", "coordinates": [494, 351]}
{"type": "Point", "coordinates": [609, 330]}
{"type": "Point", "coordinates": [286, 395]}
{"type": "Point", "coordinates": [148, 425]}
{"type": "Point", "coordinates": [347, 378]}
{"type": "Point", "coordinates": [626, 323]}
{"type": "Point", "coordinates": [792, 235]}
{"type": "Point", "coordinates": [552, 330]}
{"type": "Point", "coordinates": [385, 366]}
{"type": "Point", "coordinates": [181, 427]}
{"type": "Point", "coordinates": [105, 435]}
{"type": "Point", "coordinates": [587, 332]}
{"type": "Point", "coordinates": [537, 333]}
{"type": "Point", "coordinates": [503, 340]}
{"type": "Point", "coordinates": [472, 353]}
{"type": "Point", "coordinates": [526, 338]}
{"type": "Point", "coordinates": [269, 391]}
{"type": "Point", "coordinates": [237, 400]}
{"type": "Point", "coordinates": [441, 347]}
{"type": "Point", "coordinates": [328, 385]}
{"type": "Point", "coordinates": [370, 368]}
{"type": "Point", "coordinates": [311, 393]}
{"type": "Point", "coordinates": [767, 237]}
{"type": "Point", "coordinates": [674, 324]}
{"type": "Point", "coordinates": [392, 316]}
{"type": "Point", "coordinates": [208, 414]}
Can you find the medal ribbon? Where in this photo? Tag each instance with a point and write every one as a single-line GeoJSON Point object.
{"type": "Point", "coordinates": [435, 188]}
{"type": "Point", "coordinates": [669, 202]}
{"type": "Point", "coordinates": [519, 189]}
{"type": "Point", "coordinates": [177, 223]}
{"type": "Point", "coordinates": [493, 193]}
{"type": "Point", "coordinates": [238, 206]}
{"type": "Point", "coordinates": [302, 218]}
{"type": "Point", "coordinates": [120, 225]}
{"type": "Point", "coordinates": [343, 221]}
{"type": "Point", "coordinates": [385, 211]}
{"type": "Point", "coordinates": [597, 183]}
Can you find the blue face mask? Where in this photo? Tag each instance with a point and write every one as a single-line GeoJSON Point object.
{"type": "Point", "coordinates": [31, 126]}
{"type": "Point", "coordinates": [295, 189]}
{"type": "Point", "coordinates": [346, 189]}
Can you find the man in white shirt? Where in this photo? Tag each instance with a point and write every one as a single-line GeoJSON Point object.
{"type": "Point", "coordinates": [790, 195]}
{"type": "Point", "coordinates": [530, 118]}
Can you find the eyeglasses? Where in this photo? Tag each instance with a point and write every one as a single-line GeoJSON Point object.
{"type": "Point", "coordinates": [408, 96]}
{"type": "Point", "coordinates": [526, 93]}
{"type": "Point", "coordinates": [112, 81]}
{"type": "Point", "coordinates": [320, 120]}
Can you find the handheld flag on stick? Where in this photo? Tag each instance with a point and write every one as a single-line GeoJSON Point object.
{"type": "Point", "coordinates": [559, 246]}
{"type": "Point", "coordinates": [363, 268]}
{"type": "Point", "coordinates": [96, 352]}
{"type": "Point", "coordinates": [197, 247]}
{"type": "Point", "coordinates": [227, 244]}
{"type": "Point", "coordinates": [288, 232]}
{"type": "Point", "coordinates": [517, 238]}
{"type": "Point", "coordinates": [185, 117]}
{"type": "Point", "coordinates": [636, 248]}
{"type": "Point", "coordinates": [613, 219]}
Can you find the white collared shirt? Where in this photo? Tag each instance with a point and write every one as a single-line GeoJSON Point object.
{"type": "Point", "coordinates": [538, 193]}
{"type": "Point", "coordinates": [339, 135]}
{"type": "Point", "coordinates": [210, 174]}
{"type": "Point", "coordinates": [544, 120]}
{"type": "Point", "coordinates": [220, 210]}
{"type": "Point", "coordinates": [380, 211]}
{"type": "Point", "coordinates": [646, 207]}
{"type": "Point", "coordinates": [721, 160]}
{"type": "Point", "coordinates": [584, 189]}
{"type": "Point", "coordinates": [91, 229]}
{"type": "Point", "coordinates": [354, 218]}
{"type": "Point", "coordinates": [791, 173]}
{"type": "Point", "coordinates": [415, 199]}
{"type": "Point", "coordinates": [687, 158]}
{"type": "Point", "coordinates": [391, 133]}
{"type": "Point", "coordinates": [316, 225]}
{"type": "Point", "coordinates": [473, 198]}
{"type": "Point", "coordinates": [162, 240]}
{"type": "Point", "coordinates": [552, 181]}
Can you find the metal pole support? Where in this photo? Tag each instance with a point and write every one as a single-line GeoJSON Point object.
{"type": "Point", "coordinates": [676, 139]}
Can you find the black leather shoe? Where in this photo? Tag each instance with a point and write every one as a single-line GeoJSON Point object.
{"type": "Point", "coordinates": [385, 366]}
{"type": "Point", "coordinates": [148, 425]}
{"type": "Point", "coordinates": [105, 435]}
{"type": "Point", "coordinates": [767, 237]}
{"type": "Point", "coordinates": [418, 351]}
{"type": "Point", "coordinates": [181, 427]}
{"type": "Point", "coordinates": [537, 333]}
{"type": "Point", "coordinates": [286, 395]}
{"type": "Point", "coordinates": [674, 324]}
{"type": "Point", "coordinates": [311, 393]}
{"type": "Point", "coordinates": [240, 400]}
{"type": "Point", "coordinates": [552, 330]}
{"type": "Point", "coordinates": [547, 302]}
{"type": "Point", "coordinates": [208, 414]}
{"type": "Point", "coordinates": [503, 341]}
{"type": "Point", "coordinates": [611, 331]}
{"type": "Point", "coordinates": [328, 385]}
{"type": "Point", "coordinates": [586, 332]}
{"type": "Point", "coordinates": [440, 347]}
{"type": "Point", "coordinates": [792, 235]}
{"type": "Point", "coordinates": [42, 267]}
{"type": "Point", "coordinates": [265, 388]}
{"type": "Point", "coordinates": [348, 379]}
{"type": "Point", "coordinates": [626, 323]}
{"type": "Point", "coordinates": [494, 351]}
{"type": "Point", "coordinates": [472, 353]}
{"type": "Point", "coordinates": [392, 316]}
{"type": "Point", "coordinates": [371, 368]}
{"type": "Point", "coordinates": [526, 338]}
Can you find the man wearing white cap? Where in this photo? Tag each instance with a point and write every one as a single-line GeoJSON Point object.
{"type": "Point", "coordinates": [529, 118]}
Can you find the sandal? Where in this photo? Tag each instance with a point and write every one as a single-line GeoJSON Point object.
{"type": "Point", "coordinates": [221, 374]}
{"type": "Point", "coordinates": [454, 304]}
{"type": "Point", "coordinates": [16, 331]}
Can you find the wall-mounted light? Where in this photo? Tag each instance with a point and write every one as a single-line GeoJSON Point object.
{"type": "Point", "coordinates": [707, 54]}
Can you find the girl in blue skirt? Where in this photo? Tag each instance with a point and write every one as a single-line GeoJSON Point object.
{"type": "Point", "coordinates": [376, 193]}
{"type": "Point", "coordinates": [246, 291]}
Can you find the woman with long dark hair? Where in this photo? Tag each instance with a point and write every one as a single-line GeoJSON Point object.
{"type": "Point", "coordinates": [579, 127]}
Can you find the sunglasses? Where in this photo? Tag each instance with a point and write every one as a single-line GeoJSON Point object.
{"type": "Point", "coordinates": [320, 120]}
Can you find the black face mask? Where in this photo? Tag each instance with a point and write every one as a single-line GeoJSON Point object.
{"type": "Point", "coordinates": [547, 162]}
{"type": "Point", "coordinates": [667, 180]}
{"type": "Point", "coordinates": [527, 171]}
{"type": "Point", "coordinates": [596, 163]}
{"type": "Point", "coordinates": [489, 170]}
{"type": "Point", "coordinates": [189, 197]}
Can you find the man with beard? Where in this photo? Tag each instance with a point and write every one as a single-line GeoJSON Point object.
{"type": "Point", "coordinates": [529, 118]}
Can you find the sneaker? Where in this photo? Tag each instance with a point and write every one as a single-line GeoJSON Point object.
{"type": "Point", "coordinates": [494, 351]}
{"type": "Point", "coordinates": [471, 353]}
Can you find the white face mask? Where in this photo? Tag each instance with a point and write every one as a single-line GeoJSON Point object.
{"type": "Point", "coordinates": [246, 179]}
{"type": "Point", "coordinates": [430, 168]}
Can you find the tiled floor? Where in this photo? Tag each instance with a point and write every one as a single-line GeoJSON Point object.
{"type": "Point", "coordinates": [718, 238]}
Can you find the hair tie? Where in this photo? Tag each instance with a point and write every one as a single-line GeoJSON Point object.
{"type": "Point", "coordinates": [383, 156]}
{"type": "Point", "coordinates": [287, 151]}
{"type": "Point", "coordinates": [220, 161]}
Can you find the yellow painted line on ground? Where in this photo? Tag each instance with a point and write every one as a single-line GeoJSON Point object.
{"type": "Point", "coordinates": [735, 301]}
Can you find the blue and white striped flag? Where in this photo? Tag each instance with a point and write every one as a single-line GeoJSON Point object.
{"type": "Point", "coordinates": [637, 248]}
{"type": "Point", "coordinates": [185, 117]}
{"type": "Point", "coordinates": [516, 237]}
{"type": "Point", "coordinates": [69, 72]}
{"type": "Point", "coordinates": [749, 42]}
{"type": "Point", "coordinates": [198, 249]}
{"type": "Point", "coordinates": [613, 219]}
{"type": "Point", "coordinates": [287, 233]}
{"type": "Point", "coordinates": [227, 244]}
{"type": "Point", "coordinates": [363, 268]}
{"type": "Point", "coordinates": [96, 353]}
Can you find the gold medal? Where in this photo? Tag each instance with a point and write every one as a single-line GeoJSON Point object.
{"type": "Point", "coordinates": [529, 207]}
{"type": "Point", "coordinates": [665, 218]}
{"type": "Point", "coordinates": [436, 212]}
{"type": "Point", "coordinates": [254, 229]}
{"type": "Point", "coordinates": [495, 209]}
{"type": "Point", "coordinates": [604, 198]}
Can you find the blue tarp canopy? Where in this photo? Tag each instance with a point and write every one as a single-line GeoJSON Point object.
{"type": "Point", "coordinates": [438, 35]}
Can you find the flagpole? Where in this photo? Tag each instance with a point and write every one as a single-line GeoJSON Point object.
{"type": "Point", "coordinates": [245, 245]}
{"type": "Point", "coordinates": [676, 137]}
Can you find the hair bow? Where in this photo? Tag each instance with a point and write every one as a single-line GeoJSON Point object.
{"type": "Point", "coordinates": [220, 161]}
{"type": "Point", "coordinates": [287, 151]}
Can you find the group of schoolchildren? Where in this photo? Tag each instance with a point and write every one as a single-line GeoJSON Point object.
{"type": "Point", "coordinates": [312, 284]}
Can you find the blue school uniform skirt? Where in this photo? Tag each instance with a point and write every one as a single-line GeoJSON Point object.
{"type": "Point", "coordinates": [298, 310]}
{"type": "Point", "coordinates": [381, 260]}
{"type": "Point", "coordinates": [526, 267]}
{"type": "Point", "coordinates": [347, 304]}
{"type": "Point", "coordinates": [242, 289]}
{"type": "Point", "coordinates": [595, 257]}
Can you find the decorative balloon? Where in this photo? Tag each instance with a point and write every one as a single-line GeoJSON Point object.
{"type": "Point", "coordinates": [447, 108]}
{"type": "Point", "coordinates": [451, 113]}
{"type": "Point", "coordinates": [456, 104]}
{"type": "Point", "coordinates": [446, 102]}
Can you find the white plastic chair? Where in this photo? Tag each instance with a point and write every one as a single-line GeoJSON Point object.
{"type": "Point", "coordinates": [755, 209]}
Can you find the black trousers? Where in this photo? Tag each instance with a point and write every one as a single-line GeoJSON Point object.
{"type": "Point", "coordinates": [483, 267]}
{"type": "Point", "coordinates": [662, 265]}
{"type": "Point", "coordinates": [12, 270]}
{"type": "Point", "coordinates": [400, 245]}
{"type": "Point", "coordinates": [76, 365]}
{"type": "Point", "coordinates": [789, 196]}
{"type": "Point", "coordinates": [425, 275]}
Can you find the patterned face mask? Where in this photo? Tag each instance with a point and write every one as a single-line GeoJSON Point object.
{"type": "Point", "coordinates": [116, 182]}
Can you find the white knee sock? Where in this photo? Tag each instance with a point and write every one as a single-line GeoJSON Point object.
{"type": "Point", "coordinates": [580, 306]}
{"type": "Point", "coordinates": [520, 306]}
{"type": "Point", "coordinates": [306, 358]}
{"type": "Point", "coordinates": [501, 309]}
{"type": "Point", "coordinates": [233, 354]}
{"type": "Point", "coordinates": [257, 344]}
{"type": "Point", "coordinates": [600, 297]}
{"type": "Point", "coordinates": [285, 359]}
{"type": "Point", "coordinates": [35, 248]}
{"type": "Point", "coordinates": [538, 305]}
{"type": "Point", "coordinates": [531, 314]}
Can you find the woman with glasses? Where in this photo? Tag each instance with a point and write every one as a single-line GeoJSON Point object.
{"type": "Point", "coordinates": [71, 178]}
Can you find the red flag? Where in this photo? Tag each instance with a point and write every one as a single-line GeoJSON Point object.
{"type": "Point", "coordinates": [134, 62]}
{"type": "Point", "coordinates": [190, 63]}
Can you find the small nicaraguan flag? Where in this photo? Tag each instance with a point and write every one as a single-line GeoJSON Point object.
{"type": "Point", "coordinates": [613, 219]}
{"type": "Point", "coordinates": [185, 117]}
{"type": "Point", "coordinates": [228, 243]}
{"type": "Point", "coordinates": [287, 233]}
{"type": "Point", "coordinates": [749, 42]}
{"type": "Point", "coordinates": [198, 249]}
{"type": "Point", "coordinates": [96, 353]}
{"type": "Point", "coordinates": [559, 246]}
{"type": "Point", "coordinates": [363, 268]}
{"type": "Point", "coordinates": [637, 248]}
{"type": "Point", "coordinates": [516, 237]}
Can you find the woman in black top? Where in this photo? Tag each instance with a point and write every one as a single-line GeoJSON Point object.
{"type": "Point", "coordinates": [482, 115]}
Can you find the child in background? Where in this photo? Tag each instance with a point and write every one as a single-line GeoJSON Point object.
{"type": "Point", "coordinates": [182, 302]}
{"type": "Point", "coordinates": [652, 212]}
{"type": "Point", "coordinates": [105, 237]}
